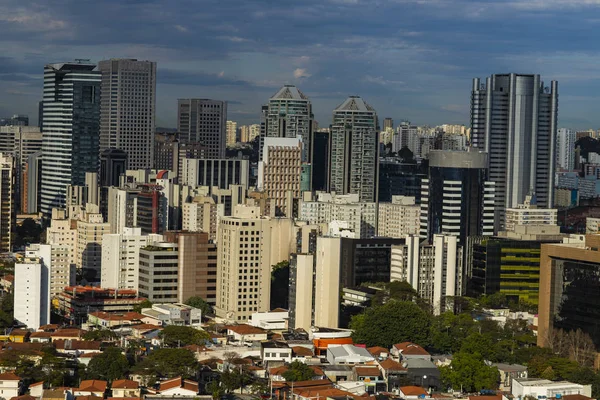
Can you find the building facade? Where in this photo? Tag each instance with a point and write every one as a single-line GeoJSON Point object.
{"type": "Point", "coordinates": [128, 107]}
{"type": "Point", "coordinates": [71, 130]}
{"type": "Point", "coordinates": [513, 119]}
{"type": "Point", "coordinates": [565, 149]}
{"type": "Point", "coordinates": [32, 305]}
{"type": "Point", "coordinates": [399, 218]}
{"type": "Point", "coordinates": [158, 271]}
{"type": "Point", "coordinates": [219, 173]}
{"type": "Point", "coordinates": [354, 157]}
{"type": "Point", "coordinates": [7, 202]}
{"type": "Point", "coordinates": [203, 121]}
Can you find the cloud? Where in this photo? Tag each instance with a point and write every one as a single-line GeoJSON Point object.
{"type": "Point", "coordinates": [380, 80]}
{"type": "Point", "coordinates": [300, 73]}
{"type": "Point", "coordinates": [181, 28]}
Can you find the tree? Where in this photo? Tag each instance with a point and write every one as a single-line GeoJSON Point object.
{"type": "Point", "coordinates": [215, 390]}
{"type": "Point", "coordinates": [406, 155]}
{"type": "Point", "coordinates": [397, 290]}
{"type": "Point", "coordinates": [199, 302]}
{"type": "Point", "coordinates": [177, 336]}
{"type": "Point", "coordinates": [7, 311]}
{"type": "Point", "coordinates": [469, 372]}
{"type": "Point", "coordinates": [28, 232]}
{"type": "Point", "coordinates": [144, 304]}
{"type": "Point", "coordinates": [100, 335]}
{"type": "Point", "coordinates": [109, 365]}
{"type": "Point", "coordinates": [448, 331]}
{"type": "Point", "coordinates": [298, 371]}
{"type": "Point", "coordinates": [168, 363]}
{"type": "Point", "coordinates": [280, 285]}
{"type": "Point", "coordinates": [394, 322]}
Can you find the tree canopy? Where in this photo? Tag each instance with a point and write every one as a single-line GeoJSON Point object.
{"type": "Point", "coordinates": [144, 304]}
{"type": "Point", "coordinates": [469, 372]}
{"type": "Point", "coordinates": [391, 323]}
{"type": "Point", "coordinates": [298, 371]}
{"type": "Point", "coordinates": [109, 365]}
{"type": "Point", "coordinates": [177, 336]}
{"type": "Point", "coordinates": [199, 302]}
{"type": "Point", "coordinates": [168, 363]}
{"type": "Point", "coordinates": [280, 278]}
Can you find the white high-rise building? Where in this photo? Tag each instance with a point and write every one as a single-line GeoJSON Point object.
{"type": "Point", "coordinates": [7, 201]}
{"type": "Point", "coordinates": [289, 115]}
{"type": "Point", "coordinates": [121, 257]}
{"type": "Point", "coordinates": [354, 155]}
{"type": "Point", "coordinates": [61, 272]}
{"type": "Point", "coordinates": [513, 119]}
{"type": "Point", "coordinates": [249, 245]}
{"type": "Point", "coordinates": [32, 292]}
{"type": "Point", "coordinates": [529, 214]}
{"type": "Point", "coordinates": [399, 218]}
{"type": "Point", "coordinates": [71, 129]}
{"type": "Point", "coordinates": [231, 133]}
{"type": "Point", "coordinates": [434, 270]}
{"type": "Point", "coordinates": [90, 229]}
{"type": "Point", "coordinates": [202, 215]}
{"type": "Point", "coordinates": [128, 107]}
{"type": "Point", "coordinates": [565, 149]}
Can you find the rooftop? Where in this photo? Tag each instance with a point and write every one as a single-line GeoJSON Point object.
{"type": "Point", "coordinates": [354, 103]}
{"type": "Point", "coordinates": [289, 92]}
{"type": "Point", "coordinates": [245, 329]}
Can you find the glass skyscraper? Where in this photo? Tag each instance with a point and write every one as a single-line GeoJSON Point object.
{"type": "Point", "coordinates": [71, 129]}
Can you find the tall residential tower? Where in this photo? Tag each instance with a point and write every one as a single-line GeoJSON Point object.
{"type": "Point", "coordinates": [128, 105]}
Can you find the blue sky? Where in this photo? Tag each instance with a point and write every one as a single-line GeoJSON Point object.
{"type": "Point", "coordinates": [410, 59]}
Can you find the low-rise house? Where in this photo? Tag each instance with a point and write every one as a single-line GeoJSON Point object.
{"type": "Point", "coordinates": [413, 393]}
{"type": "Point", "coordinates": [91, 388]}
{"type": "Point", "coordinates": [179, 387]}
{"type": "Point", "coordinates": [76, 347]}
{"type": "Point", "coordinates": [544, 388]}
{"type": "Point", "coordinates": [337, 373]}
{"type": "Point", "coordinates": [19, 335]}
{"type": "Point", "coordinates": [302, 354]}
{"type": "Point", "coordinates": [380, 353]}
{"type": "Point", "coordinates": [393, 373]}
{"type": "Point", "coordinates": [36, 389]}
{"type": "Point", "coordinates": [276, 374]}
{"type": "Point", "coordinates": [57, 394]}
{"type": "Point", "coordinates": [174, 314]}
{"type": "Point", "coordinates": [371, 377]}
{"type": "Point", "coordinates": [245, 334]}
{"type": "Point", "coordinates": [348, 354]}
{"type": "Point", "coordinates": [68, 333]}
{"type": "Point", "coordinates": [275, 351]}
{"type": "Point", "coordinates": [422, 373]}
{"type": "Point", "coordinates": [508, 372]}
{"type": "Point", "coordinates": [145, 331]}
{"type": "Point", "coordinates": [109, 320]}
{"type": "Point", "coordinates": [330, 393]}
{"type": "Point", "coordinates": [125, 388]}
{"type": "Point", "coordinates": [85, 358]}
{"type": "Point", "coordinates": [274, 320]}
{"type": "Point", "coordinates": [409, 351]}
{"type": "Point", "coordinates": [40, 337]}
{"type": "Point", "coordinates": [9, 385]}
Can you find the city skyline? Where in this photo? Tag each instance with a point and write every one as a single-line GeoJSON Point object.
{"type": "Point", "coordinates": [410, 59]}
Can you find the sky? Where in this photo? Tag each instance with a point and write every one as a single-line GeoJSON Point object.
{"type": "Point", "coordinates": [410, 59]}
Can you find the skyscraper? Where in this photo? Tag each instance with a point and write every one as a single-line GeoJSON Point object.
{"type": "Point", "coordinates": [513, 119]}
{"type": "Point", "coordinates": [203, 121]}
{"type": "Point", "coordinates": [354, 160]}
{"type": "Point", "coordinates": [289, 114]}
{"type": "Point", "coordinates": [7, 201]}
{"type": "Point", "coordinates": [128, 105]}
{"type": "Point", "coordinates": [388, 123]}
{"type": "Point", "coordinates": [320, 160]}
{"type": "Point", "coordinates": [71, 129]}
{"type": "Point", "coordinates": [565, 149]}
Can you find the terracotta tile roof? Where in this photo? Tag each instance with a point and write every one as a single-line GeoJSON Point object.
{"type": "Point", "coordinates": [279, 309]}
{"type": "Point", "coordinates": [36, 384]}
{"type": "Point", "coordinates": [9, 278]}
{"type": "Point", "coordinates": [412, 349]}
{"type": "Point", "coordinates": [191, 385]}
{"type": "Point", "coordinates": [377, 350]}
{"type": "Point", "coordinates": [367, 371]}
{"type": "Point", "coordinates": [76, 344]}
{"type": "Point", "coordinates": [88, 355]}
{"type": "Point", "coordinates": [145, 327]}
{"type": "Point", "coordinates": [324, 393]}
{"type": "Point", "coordinates": [302, 351]}
{"type": "Point", "coordinates": [413, 391]}
{"type": "Point", "coordinates": [88, 397]}
{"type": "Point", "coordinates": [125, 384]}
{"type": "Point", "coordinates": [245, 329]}
{"type": "Point", "coordinates": [197, 349]}
{"type": "Point", "coordinates": [170, 384]}
{"type": "Point", "coordinates": [19, 332]}
{"type": "Point", "coordinates": [128, 316]}
{"type": "Point", "coordinates": [390, 365]}
{"type": "Point", "coordinates": [93, 386]}
{"type": "Point", "coordinates": [497, 397]}
{"type": "Point", "coordinates": [23, 397]}
{"type": "Point", "coordinates": [22, 346]}
{"type": "Point", "coordinates": [68, 332]}
{"type": "Point", "coordinates": [9, 376]}
{"type": "Point", "coordinates": [576, 397]}
{"type": "Point", "coordinates": [48, 327]}
{"type": "Point", "coordinates": [41, 335]}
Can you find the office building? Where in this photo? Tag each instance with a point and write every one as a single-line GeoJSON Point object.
{"type": "Point", "coordinates": [31, 184]}
{"type": "Point", "coordinates": [166, 149]}
{"type": "Point", "coordinates": [399, 218]}
{"type": "Point", "coordinates": [289, 115]}
{"type": "Point", "coordinates": [197, 262]}
{"type": "Point", "coordinates": [128, 107]}
{"type": "Point", "coordinates": [320, 161]}
{"type": "Point", "coordinates": [354, 152]}
{"type": "Point", "coordinates": [400, 179]}
{"type": "Point", "coordinates": [113, 164]}
{"type": "Point", "coordinates": [530, 214]}
{"type": "Point", "coordinates": [359, 218]}
{"type": "Point", "coordinates": [70, 138]}
{"type": "Point", "coordinates": [388, 123]}
{"type": "Point", "coordinates": [218, 173]}
{"type": "Point", "coordinates": [231, 133]}
{"type": "Point", "coordinates": [456, 199]}
{"type": "Point", "coordinates": [90, 230]}
{"type": "Point", "coordinates": [569, 287]}
{"type": "Point", "coordinates": [202, 215]}
{"type": "Point", "coordinates": [151, 209]}
{"type": "Point", "coordinates": [121, 257]}
{"type": "Point", "coordinates": [513, 120]}
{"type": "Point", "coordinates": [280, 173]}
{"type": "Point", "coordinates": [76, 302]}
{"type": "Point", "coordinates": [32, 304]}
{"type": "Point", "coordinates": [158, 271]}
{"type": "Point", "coordinates": [434, 270]}
{"type": "Point", "coordinates": [203, 121]}
{"type": "Point", "coordinates": [7, 202]}
{"type": "Point", "coordinates": [249, 245]}
{"type": "Point", "coordinates": [565, 149]}
{"type": "Point", "coordinates": [20, 142]}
